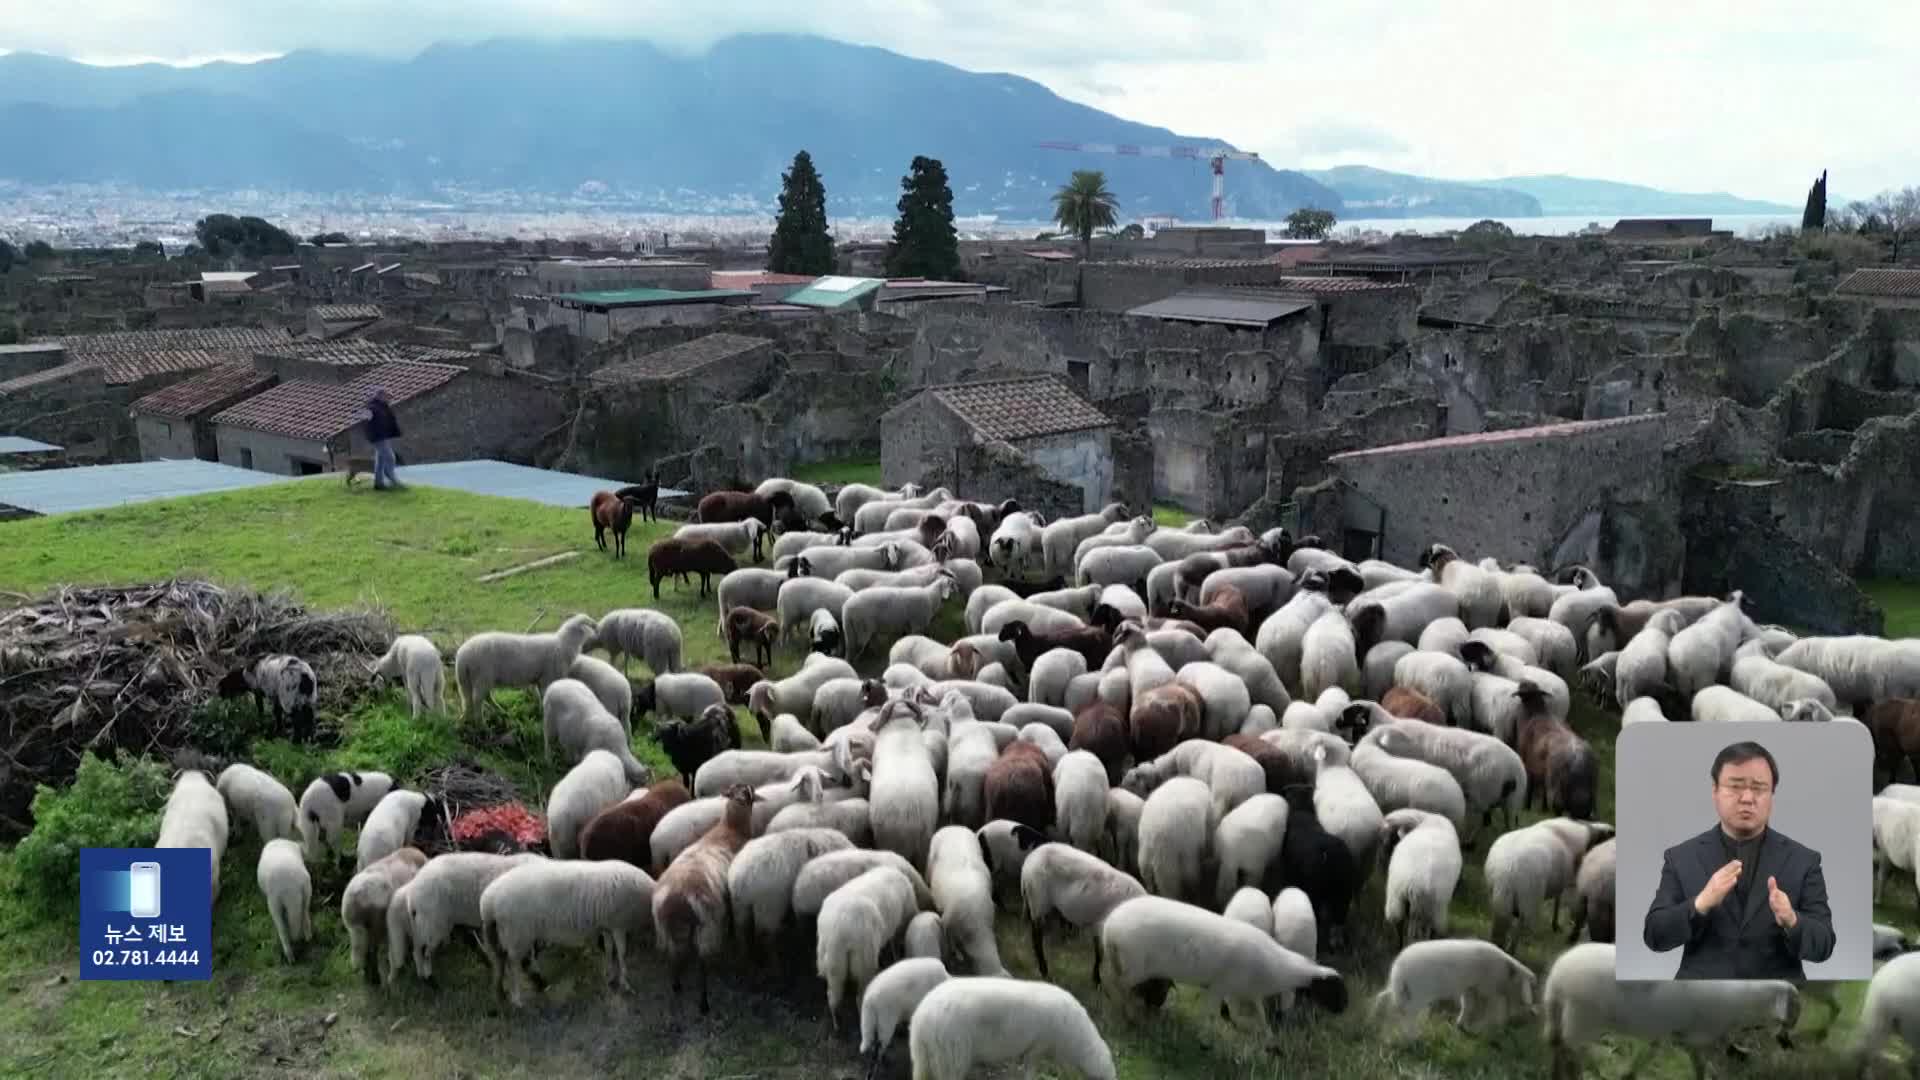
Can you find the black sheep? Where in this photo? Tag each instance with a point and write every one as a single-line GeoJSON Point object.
{"type": "Point", "coordinates": [1091, 642]}
{"type": "Point", "coordinates": [643, 496]}
{"type": "Point", "coordinates": [692, 743]}
{"type": "Point", "coordinates": [1319, 863]}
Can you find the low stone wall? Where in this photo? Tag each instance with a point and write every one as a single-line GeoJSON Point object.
{"type": "Point", "coordinates": [1730, 547]}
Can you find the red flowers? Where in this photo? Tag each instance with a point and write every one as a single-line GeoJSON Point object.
{"type": "Point", "coordinates": [509, 821]}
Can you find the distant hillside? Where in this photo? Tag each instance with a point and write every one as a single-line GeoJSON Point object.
{"type": "Point", "coordinates": [709, 133]}
{"type": "Point", "coordinates": [1571, 195]}
{"type": "Point", "coordinates": [1376, 193]}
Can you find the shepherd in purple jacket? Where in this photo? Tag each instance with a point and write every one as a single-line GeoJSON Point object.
{"type": "Point", "coordinates": [382, 429]}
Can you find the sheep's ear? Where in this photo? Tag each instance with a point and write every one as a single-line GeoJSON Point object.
{"type": "Point", "coordinates": [1027, 837]}
{"type": "Point", "coordinates": [342, 787]}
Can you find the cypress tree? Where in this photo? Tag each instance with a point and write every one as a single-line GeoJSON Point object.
{"type": "Point", "coordinates": [925, 243]}
{"type": "Point", "coordinates": [800, 243]}
{"type": "Point", "coordinates": [1815, 215]}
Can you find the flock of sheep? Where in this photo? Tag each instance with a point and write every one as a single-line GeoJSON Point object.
{"type": "Point", "coordinates": [1198, 746]}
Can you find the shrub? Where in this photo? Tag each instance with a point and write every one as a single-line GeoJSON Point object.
{"type": "Point", "coordinates": [109, 804]}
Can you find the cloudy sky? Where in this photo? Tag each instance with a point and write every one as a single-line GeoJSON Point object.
{"type": "Point", "coordinates": [1693, 95]}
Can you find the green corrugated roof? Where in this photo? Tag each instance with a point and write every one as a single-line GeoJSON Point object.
{"type": "Point", "coordinates": [642, 297]}
{"type": "Point", "coordinates": [834, 291]}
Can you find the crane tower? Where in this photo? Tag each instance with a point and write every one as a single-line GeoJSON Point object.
{"type": "Point", "coordinates": [1216, 158]}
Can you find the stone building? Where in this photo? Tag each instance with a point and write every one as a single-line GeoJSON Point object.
{"type": "Point", "coordinates": [326, 321]}
{"type": "Point", "coordinates": [613, 314]}
{"type": "Point", "coordinates": [446, 412]}
{"type": "Point", "coordinates": [598, 275]}
{"type": "Point", "coordinates": [173, 423]}
{"type": "Point", "coordinates": [931, 437]}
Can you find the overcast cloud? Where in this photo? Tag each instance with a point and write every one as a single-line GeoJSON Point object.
{"type": "Point", "coordinates": [1697, 95]}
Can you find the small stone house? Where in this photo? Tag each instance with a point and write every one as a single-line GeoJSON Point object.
{"type": "Point", "coordinates": [936, 433]}
{"type": "Point", "coordinates": [326, 321]}
{"type": "Point", "coordinates": [174, 423]}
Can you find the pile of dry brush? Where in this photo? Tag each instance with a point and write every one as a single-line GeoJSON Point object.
{"type": "Point", "coordinates": [127, 667]}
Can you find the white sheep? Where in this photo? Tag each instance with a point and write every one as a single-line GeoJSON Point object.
{"type": "Point", "coordinates": [574, 717]}
{"type": "Point", "coordinates": [655, 638]}
{"type": "Point", "coordinates": [838, 702]}
{"type": "Point", "coordinates": [962, 886]}
{"type": "Point", "coordinates": [1176, 544]}
{"type": "Point", "coordinates": [849, 500]}
{"type": "Point", "coordinates": [1444, 635]}
{"type": "Point", "coordinates": [760, 879]}
{"type": "Point", "coordinates": [1076, 601]}
{"type": "Point", "coordinates": [1047, 739]}
{"type": "Point", "coordinates": [1892, 1008]}
{"type": "Point", "coordinates": [1403, 614]}
{"type": "Point", "coordinates": [1858, 668]}
{"type": "Point", "coordinates": [1642, 666]}
{"type": "Point", "coordinates": [1444, 679]}
{"type": "Point", "coordinates": [1294, 925]}
{"type": "Point", "coordinates": [982, 601]}
{"type": "Point", "coordinates": [1532, 864]}
{"type": "Point", "coordinates": [414, 662]}
{"type": "Point", "coordinates": [1052, 671]}
{"type": "Point", "coordinates": [1016, 542]}
{"type": "Point", "coordinates": [1490, 773]}
{"type": "Point", "coordinates": [1723, 703]}
{"type": "Point", "coordinates": [196, 816]}
{"type": "Point", "coordinates": [961, 540]}
{"type": "Point", "coordinates": [445, 894]}
{"type": "Point", "coordinates": [1896, 838]}
{"type": "Point", "coordinates": [1231, 775]}
{"type": "Point", "coordinates": [1124, 810]}
{"type": "Point", "coordinates": [608, 684]}
{"type": "Point", "coordinates": [334, 801]}
{"type": "Point", "coordinates": [1774, 684]}
{"type": "Point", "coordinates": [1346, 808]}
{"type": "Point", "coordinates": [925, 938]}
{"type": "Point", "coordinates": [1574, 610]}
{"type": "Point", "coordinates": [597, 782]}
{"type": "Point", "coordinates": [1229, 649]}
{"type": "Point", "coordinates": [904, 794]}
{"type": "Point", "coordinates": [1117, 565]}
{"type": "Point", "coordinates": [1077, 887]}
{"type": "Point", "coordinates": [891, 998]}
{"type": "Point", "coordinates": [1039, 618]}
{"type": "Point", "coordinates": [496, 658]}
{"type": "Point", "coordinates": [737, 537]}
{"type": "Point", "coordinates": [1478, 592]}
{"type": "Point", "coordinates": [390, 826]}
{"type": "Point", "coordinates": [788, 735]}
{"type": "Point", "coordinates": [1702, 654]}
{"type": "Point", "coordinates": [1250, 906]}
{"type": "Point", "coordinates": [851, 818]}
{"type": "Point", "coordinates": [858, 921]}
{"type": "Point", "coordinates": [1223, 694]}
{"type": "Point", "coordinates": [795, 693]}
{"type": "Point", "coordinates": [821, 875]}
{"type": "Point", "coordinates": [263, 801]}
{"type": "Point", "coordinates": [1124, 600]}
{"type": "Point", "coordinates": [1582, 1001]}
{"type": "Point", "coordinates": [1641, 711]}
{"type": "Point", "coordinates": [1133, 531]}
{"type": "Point", "coordinates": [1079, 799]}
{"type": "Point", "coordinates": [683, 826]}
{"type": "Point", "coordinates": [1264, 586]}
{"type": "Point", "coordinates": [364, 903]}
{"type": "Point", "coordinates": [871, 514]}
{"type": "Point", "coordinates": [1154, 938]}
{"type": "Point", "coordinates": [1423, 869]}
{"type": "Point", "coordinates": [934, 659]}
{"type": "Point", "coordinates": [965, 1022]}
{"type": "Point", "coordinates": [1507, 643]}
{"type": "Point", "coordinates": [1500, 713]}
{"type": "Point", "coordinates": [1376, 668]}
{"type": "Point", "coordinates": [1060, 539]}
{"type": "Point", "coordinates": [800, 597]}
{"type": "Point", "coordinates": [569, 903]}
{"type": "Point", "coordinates": [1175, 834]}
{"type": "Point", "coordinates": [1553, 645]}
{"type": "Point", "coordinates": [1472, 972]}
{"type": "Point", "coordinates": [1260, 719]}
{"type": "Point", "coordinates": [1400, 783]}
{"type": "Point", "coordinates": [283, 879]}
{"type": "Point", "coordinates": [678, 694]}
{"type": "Point", "coordinates": [1246, 845]}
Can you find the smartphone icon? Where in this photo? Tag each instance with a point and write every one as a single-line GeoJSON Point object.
{"type": "Point", "coordinates": [144, 890]}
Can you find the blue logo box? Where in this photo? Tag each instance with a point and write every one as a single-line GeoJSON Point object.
{"type": "Point", "coordinates": [146, 913]}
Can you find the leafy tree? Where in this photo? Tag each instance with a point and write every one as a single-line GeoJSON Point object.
{"type": "Point", "coordinates": [1815, 215]}
{"type": "Point", "coordinates": [6, 256]}
{"type": "Point", "coordinates": [801, 243]}
{"type": "Point", "coordinates": [38, 251]}
{"type": "Point", "coordinates": [925, 243]}
{"type": "Point", "coordinates": [149, 249]}
{"type": "Point", "coordinates": [222, 235]}
{"type": "Point", "coordinates": [1133, 231]}
{"type": "Point", "coordinates": [324, 238]}
{"type": "Point", "coordinates": [1309, 223]}
{"type": "Point", "coordinates": [1084, 204]}
{"type": "Point", "coordinates": [1485, 234]}
{"type": "Point", "coordinates": [1894, 215]}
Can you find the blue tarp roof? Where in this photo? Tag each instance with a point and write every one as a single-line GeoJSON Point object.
{"type": "Point", "coordinates": [16, 444]}
{"type": "Point", "coordinates": [95, 487]}
{"type": "Point", "coordinates": [485, 477]}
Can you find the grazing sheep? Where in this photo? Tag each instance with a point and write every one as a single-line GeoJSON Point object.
{"type": "Point", "coordinates": [413, 662]}
{"type": "Point", "coordinates": [1050, 674]}
{"type": "Point", "coordinates": [678, 556]}
{"type": "Point", "coordinates": [1561, 766]}
{"type": "Point", "coordinates": [966, 1022]}
{"type": "Point", "coordinates": [748, 587]}
{"type": "Point", "coordinates": [800, 597]}
{"type": "Point", "coordinates": [1376, 669]}
{"type": "Point", "coordinates": [1593, 901]}
{"type": "Point", "coordinates": [891, 997]}
{"type": "Point", "coordinates": [871, 516]}
{"type": "Point", "coordinates": [1472, 972]}
{"type": "Point", "coordinates": [962, 887]}
{"type": "Point", "coordinates": [850, 817]}
{"type": "Point", "coordinates": [1176, 827]}
{"type": "Point", "coordinates": [1295, 928]}
{"type": "Point", "coordinates": [391, 825]}
{"type": "Point", "coordinates": [1423, 868]}
{"type": "Point", "coordinates": [822, 875]}
{"type": "Point", "coordinates": [1018, 786]}
{"type": "Point", "coordinates": [1701, 655]}
{"type": "Point", "coordinates": [1532, 864]}
{"type": "Point", "coordinates": [285, 682]}
{"type": "Point", "coordinates": [1077, 887]}
{"type": "Point", "coordinates": [760, 879]}
{"type": "Point", "coordinates": [600, 780]}
{"type": "Point", "coordinates": [809, 502]}
{"type": "Point", "coordinates": [283, 879]}
{"type": "Point", "coordinates": [858, 921]}
{"type": "Point", "coordinates": [1717, 703]}
{"type": "Point", "coordinates": [1151, 942]}
{"type": "Point", "coordinates": [745, 626]}
{"type": "Point", "coordinates": [1774, 684]}
{"type": "Point", "coordinates": [1346, 808]}
{"type": "Point", "coordinates": [788, 735]}
{"type": "Point", "coordinates": [496, 658]}
{"type": "Point", "coordinates": [573, 718]}
{"type": "Point", "coordinates": [683, 826]}
{"type": "Point", "coordinates": [1227, 610]}
{"type": "Point", "coordinates": [1080, 787]}
{"type": "Point", "coordinates": [1582, 1001]}
{"type": "Point", "coordinates": [1320, 862]}
{"type": "Point", "coordinates": [364, 902]}
{"type": "Point", "coordinates": [925, 937]}
{"type": "Point", "coordinates": [1232, 651]}
{"type": "Point", "coordinates": [1407, 783]}
{"type": "Point", "coordinates": [1232, 776]}
{"type": "Point", "coordinates": [683, 694]}
{"type": "Point", "coordinates": [1860, 669]}
{"type": "Point", "coordinates": [905, 796]}
{"type": "Point", "coordinates": [690, 901]}
{"type": "Point", "coordinates": [1490, 773]}
{"type": "Point", "coordinates": [1444, 635]}
{"type": "Point", "coordinates": [692, 743]}
{"type": "Point", "coordinates": [608, 684]}
{"type": "Point", "coordinates": [1247, 844]}
{"type": "Point", "coordinates": [263, 801]}
{"type": "Point", "coordinates": [1444, 679]}
{"type": "Point", "coordinates": [1402, 615]}
{"type": "Point", "coordinates": [195, 816]}
{"type": "Point", "coordinates": [1892, 1008]}
{"type": "Point", "coordinates": [1642, 667]}
{"type": "Point", "coordinates": [849, 500]}
{"type": "Point", "coordinates": [445, 894]}
{"type": "Point", "coordinates": [543, 903]}
{"type": "Point", "coordinates": [334, 801]}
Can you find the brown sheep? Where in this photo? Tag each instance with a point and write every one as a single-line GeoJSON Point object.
{"type": "Point", "coordinates": [1162, 717]}
{"type": "Point", "coordinates": [1019, 786]}
{"type": "Point", "coordinates": [735, 679]}
{"type": "Point", "coordinates": [1194, 568]}
{"type": "Point", "coordinates": [1228, 609]}
{"type": "Point", "coordinates": [1091, 642]}
{"type": "Point", "coordinates": [610, 511]}
{"type": "Point", "coordinates": [719, 507]}
{"type": "Point", "coordinates": [1561, 767]}
{"type": "Point", "coordinates": [678, 557]}
{"type": "Point", "coordinates": [1895, 724]}
{"type": "Point", "coordinates": [690, 904]}
{"type": "Point", "coordinates": [1109, 618]}
{"type": "Point", "coordinates": [624, 830]}
{"type": "Point", "coordinates": [1281, 770]}
{"type": "Point", "coordinates": [1099, 729]}
{"type": "Point", "coordinates": [1413, 705]}
{"type": "Point", "coordinates": [744, 625]}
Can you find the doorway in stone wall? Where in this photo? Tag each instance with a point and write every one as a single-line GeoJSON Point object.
{"type": "Point", "coordinates": [1359, 544]}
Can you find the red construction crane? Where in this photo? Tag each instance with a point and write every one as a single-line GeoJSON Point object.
{"type": "Point", "coordinates": [1216, 157]}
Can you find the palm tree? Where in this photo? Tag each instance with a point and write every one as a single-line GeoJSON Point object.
{"type": "Point", "coordinates": [1084, 204]}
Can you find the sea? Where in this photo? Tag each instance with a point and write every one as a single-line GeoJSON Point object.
{"type": "Point", "coordinates": [1743, 225]}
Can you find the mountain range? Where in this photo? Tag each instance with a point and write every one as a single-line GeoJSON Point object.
{"type": "Point", "coordinates": [647, 129]}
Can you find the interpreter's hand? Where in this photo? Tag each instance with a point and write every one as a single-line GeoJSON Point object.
{"type": "Point", "coordinates": [1718, 886]}
{"type": "Point", "coordinates": [1782, 907]}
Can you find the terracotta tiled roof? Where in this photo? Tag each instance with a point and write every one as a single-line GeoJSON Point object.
{"type": "Point", "coordinates": [1486, 438]}
{"type": "Point", "coordinates": [121, 369]}
{"type": "Point", "coordinates": [216, 337]}
{"type": "Point", "coordinates": [360, 353]}
{"type": "Point", "coordinates": [1183, 263]}
{"type": "Point", "coordinates": [347, 312]}
{"type": "Point", "coordinates": [206, 391]}
{"type": "Point", "coordinates": [319, 411]}
{"type": "Point", "coordinates": [747, 279]}
{"type": "Point", "coordinates": [1323, 285]}
{"type": "Point", "coordinates": [677, 360]}
{"type": "Point", "coordinates": [1881, 281]}
{"type": "Point", "coordinates": [1020, 408]}
{"type": "Point", "coordinates": [27, 383]}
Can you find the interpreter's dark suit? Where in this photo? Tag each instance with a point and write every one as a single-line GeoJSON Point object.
{"type": "Point", "coordinates": [1734, 940]}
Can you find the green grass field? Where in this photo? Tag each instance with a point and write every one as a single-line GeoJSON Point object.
{"type": "Point", "coordinates": [418, 554]}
